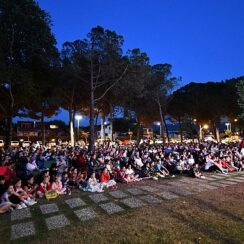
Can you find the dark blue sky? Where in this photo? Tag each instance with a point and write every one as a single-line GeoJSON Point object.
{"type": "Point", "coordinates": [202, 39]}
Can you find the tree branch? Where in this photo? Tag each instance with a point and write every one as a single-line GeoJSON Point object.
{"type": "Point", "coordinates": [3, 109]}
{"type": "Point", "coordinates": [97, 76]}
{"type": "Point", "coordinates": [110, 87]}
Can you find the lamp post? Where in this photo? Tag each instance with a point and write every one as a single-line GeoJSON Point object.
{"type": "Point", "coordinates": [103, 126]}
{"type": "Point", "coordinates": [201, 129]}
{"type": "Point", "coordinates": [160, 128]}
{"type": "Point", "coordinates": [130, 133]}
{"type": "Point", "coordinates": [228, 125]}
{"type": "Point", "coordinates": [78, 118]}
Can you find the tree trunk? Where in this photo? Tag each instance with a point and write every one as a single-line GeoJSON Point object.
{"type": "Point", "coordinates": [217, 134]}
{"type": "Point", "coordinates": [138, 133]}
{"type": "Point", "coordinates": [92, 105]}
{"type": "Point", "coordinates": [9, 132]}
{"type": "Point", "coordinates": [71, 127]}
{"type": "Point", "coordinates": [216, 131]}
{"type": "Point", "coordinates": [161, 121]}
{"type": "Point", "coordinates": [43, 134]}
{"type": "Point", "coordinates": [166, 129]}
{"type": "Point", "coordinates": [111, 122]}
{"type": "Point", "coordinates": [102, 127]}
{"type": "Point", "coordinates": [96, 127]}
{"type": "Point", "coordinates": [181, 132]}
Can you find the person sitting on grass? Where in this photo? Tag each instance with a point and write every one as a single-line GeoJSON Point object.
{"type": "Point", "coordinates": [226, 164]}
{"type": "Point", "coordinates": [65, 182]}
{"type": "Point", "coordinates": [93, 185]}
{"type": "Point", "coordinates": [120, 175]}
{"type": "Point", "coordinates": [57, 186]}
{"type": "Point", "coordinates": [14, 198]}
{"type": "Point", "coordinates": [106, 181]}
{"type": "Point", "coordinates": [4, 205]}
{"type": "Point", "coordinates": [44, 187]}
{"type": "Point", "coordinates": [195, 172]}
{"type": "Point", "coordinates": [159, 170]}
{"type": "Point", "coordinates": [31, 166]}
{"type": "Point", "coordinates": [28, 198]}
{"type": "Point", "coordinates": [130, 174]}
{"type": "Point", "coordinates": [30, 187]}
{"type": "Point", "coordinates": [147, 171]}
{"type": "Point", "coordinates": [82, 179]}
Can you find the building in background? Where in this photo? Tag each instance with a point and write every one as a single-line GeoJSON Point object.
{"type": "Point", "coordinates": [30, 130]}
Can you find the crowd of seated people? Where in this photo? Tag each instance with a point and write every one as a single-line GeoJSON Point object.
{"type": "Point", "coordinates": [35, 173]}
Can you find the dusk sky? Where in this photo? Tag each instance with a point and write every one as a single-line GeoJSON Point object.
{"type": "Point", "coordinates": [202, 39]}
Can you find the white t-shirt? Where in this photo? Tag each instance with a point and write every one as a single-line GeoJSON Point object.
{"type": "Point", "coordinates": [31, 166]}
{"type": "Point", "coordinates": [208, 164]}
{"type": "Point", "coordinates": [138, 162]}
{"type": "Point", "coordinates": [242, 151]}
{"type": "Point", "coordinates": [129, 171]}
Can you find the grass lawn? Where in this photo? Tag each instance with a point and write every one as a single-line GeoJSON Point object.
{"type": "Point", "coordinates": [215, 216]}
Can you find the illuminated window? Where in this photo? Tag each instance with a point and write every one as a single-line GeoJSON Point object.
{"type": "Point", "coordinates": [53, 127]}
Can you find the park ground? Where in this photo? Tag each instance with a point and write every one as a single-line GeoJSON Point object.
{"type": "Point", "coordinates": [210, 216]}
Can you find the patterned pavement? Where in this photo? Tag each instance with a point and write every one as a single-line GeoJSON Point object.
{"type": "Point", "coordinates": [115, 202]}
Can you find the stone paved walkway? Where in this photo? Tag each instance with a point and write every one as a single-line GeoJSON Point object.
{"type": "Point", "coordinates": [55, 215]}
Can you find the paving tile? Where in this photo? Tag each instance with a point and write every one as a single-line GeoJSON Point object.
{"type": "Point", "coordinates": [75, 202]}
{"type": "Point", "coordinates": [132, 202]}
{"type": "Point", "coordinates": [118, 194]}
{"type": "Point", "coordinates": [198, 189]}
{"type": "Point", "coordinates": [182, 192]}
{"type": "Point", "coordinates": [236, 180]}
{"type": "Point", "coordinates": [97, 198]}
{"type": "Point", "coordinates": [148, 188]}
{"type": "Point", "coordinates": [19, 214]}
{"type": "Point", "coordinates": [239, 178]}
{"type": "Point", "coordinates": [186, 180]}
{"type": "Point", "coordinates": [208, 178]}
{"type": "Point", "coordinates": [22, 230]}
{"type": "Point", "coordinates": [49, 208]}
{"type": "Point", "coordinates": [56, 222]}
{"type": "Point", "coordinates": [217, 184]}
{"type": "Point", "coordinates": [150, 199]}
{"type": "Point", "coordinates": [178, 183]}
{"type": "Point", "coordinates": [85, 214]}
{"type": "Point", "coordinates": [228, 182]}
{"type": "Point", "coordinates": [111, 207]}
{"type": "Point", "coordinates": [212, 178]}
{"type": "Point", "coordinates": [218, 176]}
{"type": "Point", "coordinates": [135, 191]}
{"type": "Point", "coordinates": [210, 187]}
{"type": "Point", "coordinates": [165, 187]}
{"type": "Point", "coordinates": [168, 195]}
{"type": "Point", "coordinates": [200, 180]}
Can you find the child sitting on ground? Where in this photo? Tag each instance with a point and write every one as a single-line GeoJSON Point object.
{"type": "Point", "coordinates": [44, 187]}
{"type": "Point", "coordinates": [57, 186]}
{"type": "Point", "coordinates": [106, 181]}
{"type": "Point", "coordinates": [24, 195]}
{"type": "Point", "coordinates": [14, 198]}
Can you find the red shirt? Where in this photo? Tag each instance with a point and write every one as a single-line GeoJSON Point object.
{"type": "Point", "coordinates": [43, 188]}
{"type": "Point", "coordinates": [105, 177]}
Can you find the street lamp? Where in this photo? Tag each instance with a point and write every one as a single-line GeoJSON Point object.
{"type": "Point", "coordinates": [228, 125]}
{"type": "Point", "coordinates": [130, 133]}
{"type": "Point", "coordinates": [78, 118]}
{"type": "Point", "coordinates": [103, 126]}
{"type": "Point", "coordinates": [205, 127]}
{"type": "Point", "coordinates": [160, 128]}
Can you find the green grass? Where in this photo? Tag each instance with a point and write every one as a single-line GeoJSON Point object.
{"type": "Point", "coordinates": [210, 217]}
